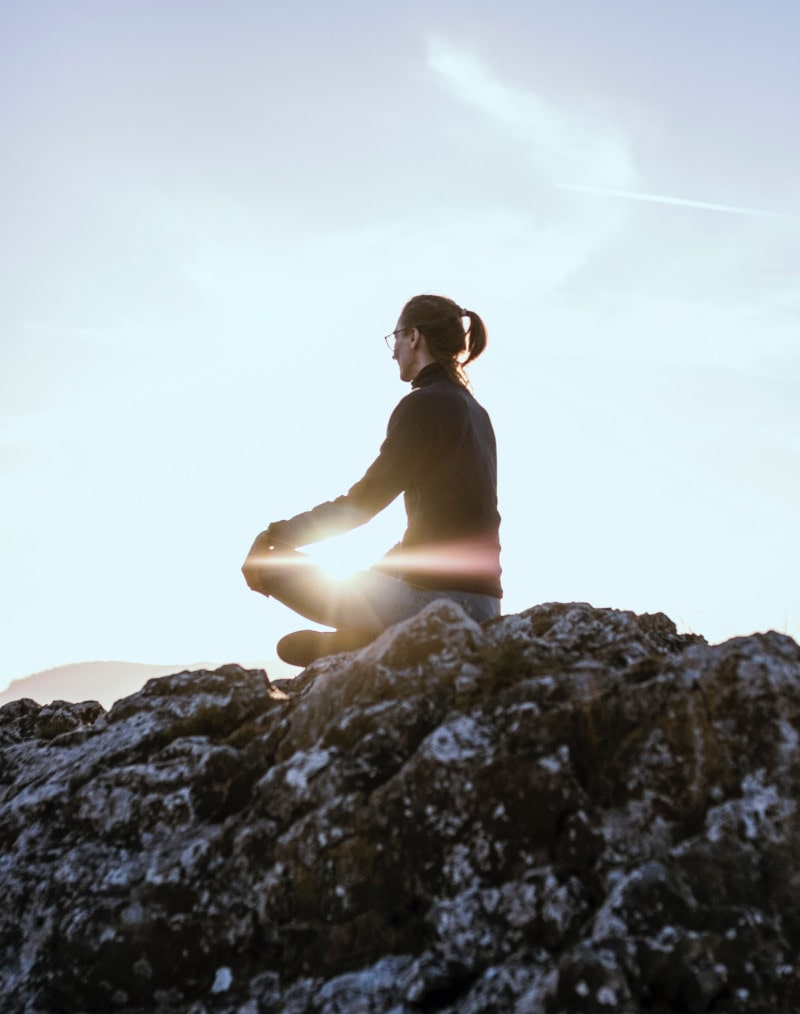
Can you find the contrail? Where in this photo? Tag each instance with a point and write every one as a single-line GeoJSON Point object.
{"type": "Point", "coordinates": [631, 195]}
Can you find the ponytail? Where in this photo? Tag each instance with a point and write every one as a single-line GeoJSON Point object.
{"type": "Point", "coordinates": [476, 336]}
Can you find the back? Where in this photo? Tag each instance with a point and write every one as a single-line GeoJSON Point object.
{"type": "Point", "coordinates": [451, 501]}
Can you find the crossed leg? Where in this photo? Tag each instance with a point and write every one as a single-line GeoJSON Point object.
{"type": "Point", "coordinates": [358, 608]}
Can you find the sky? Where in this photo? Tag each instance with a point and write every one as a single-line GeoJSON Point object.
{"type": "Point", "coordinates": [212, 213]}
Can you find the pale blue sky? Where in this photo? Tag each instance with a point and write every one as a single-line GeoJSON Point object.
{"type": "Point", "coordinates": [212, 213]}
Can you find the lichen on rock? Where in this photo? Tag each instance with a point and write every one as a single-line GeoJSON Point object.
{"type": "Point", "coordinates": [568, 809]}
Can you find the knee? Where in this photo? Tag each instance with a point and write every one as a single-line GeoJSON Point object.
{"type": "Point", "coordinates": [253, 569]}
{"type": "Point", "coordinates": [254, 566]}
{"type": "Point", "coordinates": [264, 566]}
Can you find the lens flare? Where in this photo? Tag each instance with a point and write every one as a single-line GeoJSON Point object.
{"type": "Point", "coordinates": [467, 558]}
{"type": "Point", "coordinates": [336, 561]}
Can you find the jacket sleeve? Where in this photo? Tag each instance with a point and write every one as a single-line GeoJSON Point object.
{"type": "Point", "coordinates": [401, 455]}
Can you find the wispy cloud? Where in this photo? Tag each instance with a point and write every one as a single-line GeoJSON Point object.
{"type": "Point", "coordinates": [532, 140]}
{"type": "Point", "coordinates": [562, 141]}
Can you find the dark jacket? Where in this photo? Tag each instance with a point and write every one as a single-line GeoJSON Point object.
{"type": "Point", "coordinates": [440, 452]}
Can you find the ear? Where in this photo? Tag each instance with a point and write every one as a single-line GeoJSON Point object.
{"type": "Point", "coordinates": [420, 342]}
{"type": "Point", "coordinates": [414, 337]}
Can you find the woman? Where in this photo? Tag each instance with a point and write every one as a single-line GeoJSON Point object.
{"type": "Point", "coordinates": [440, 453]}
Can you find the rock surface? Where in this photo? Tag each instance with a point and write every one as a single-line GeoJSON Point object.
{"type": "Point", "coordinates": [566, 810]}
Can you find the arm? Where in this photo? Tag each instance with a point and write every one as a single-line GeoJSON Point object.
{"type": "Point", "coordinates": [400, 457]}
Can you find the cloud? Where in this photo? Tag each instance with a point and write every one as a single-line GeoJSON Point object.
{"type": "Point", "coordinates": [653, 283]}
{"type": "Point", "coordinates": [528, 141]}
{"type": "Point", "coordinates": [561, 141]}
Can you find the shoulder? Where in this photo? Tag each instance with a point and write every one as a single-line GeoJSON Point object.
{"type": "Point", "coordinates": [433, 400]}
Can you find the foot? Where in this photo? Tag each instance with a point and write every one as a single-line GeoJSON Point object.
{"type": "Point", "coordinates": [305, 646]}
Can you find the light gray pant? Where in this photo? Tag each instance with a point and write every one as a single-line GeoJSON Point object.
{"type": "Point", "coordinates": [367, 601]}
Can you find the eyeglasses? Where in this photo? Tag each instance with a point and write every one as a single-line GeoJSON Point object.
{"type": "Point", "coordinates": [391, 338]}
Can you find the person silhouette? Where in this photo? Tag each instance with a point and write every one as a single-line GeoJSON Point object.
{"type": "Point", "coordinates": [440, 453]}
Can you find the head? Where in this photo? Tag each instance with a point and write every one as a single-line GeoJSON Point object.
{"type": "Point", "coordinates": [433, 329]}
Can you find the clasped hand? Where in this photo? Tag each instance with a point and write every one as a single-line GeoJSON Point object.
{"type": "Point", "coordinates": [262, 552]}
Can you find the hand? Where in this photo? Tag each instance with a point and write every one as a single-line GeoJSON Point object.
{"type": "Point", "coordinates": [253, 567]}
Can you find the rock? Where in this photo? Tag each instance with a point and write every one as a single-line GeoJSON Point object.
{"type": "Point", "coordinates": [569, 809]}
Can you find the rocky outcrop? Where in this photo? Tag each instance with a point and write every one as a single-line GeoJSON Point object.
{"type": "Point", "coordinates": [570, 809]}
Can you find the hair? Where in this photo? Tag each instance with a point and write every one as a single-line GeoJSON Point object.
{"type": "Point", "coordinates": [441, 322]}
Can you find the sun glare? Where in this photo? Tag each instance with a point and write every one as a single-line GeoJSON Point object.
{"type": "Point", "coordinates": [336, 560]}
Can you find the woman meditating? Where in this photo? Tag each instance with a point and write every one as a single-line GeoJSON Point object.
{"type": "Point", "coordinates": [440, 453]}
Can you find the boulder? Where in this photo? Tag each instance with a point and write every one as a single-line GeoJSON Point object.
{"type": "Point", "coordinates": [569, 809]}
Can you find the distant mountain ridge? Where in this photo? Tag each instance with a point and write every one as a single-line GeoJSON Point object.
{"type": "Point", "coordinates": [109, 681]}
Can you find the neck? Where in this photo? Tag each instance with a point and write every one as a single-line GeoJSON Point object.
{"type": "Point", "coordinates": [422, 358]}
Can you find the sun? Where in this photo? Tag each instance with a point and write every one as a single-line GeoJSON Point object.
{"type": "Point", "coordinates": [336, 559]}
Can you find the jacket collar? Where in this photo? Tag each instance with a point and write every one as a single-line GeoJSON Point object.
{"type": "Point", "coordinates": [429, 375]}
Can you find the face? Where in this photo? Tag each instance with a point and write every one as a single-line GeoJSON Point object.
{"type": "Point", "coordinates": [404, 351]}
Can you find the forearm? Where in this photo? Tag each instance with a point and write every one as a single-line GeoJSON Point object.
{"type": "Point", "coordinates": [322, 522]}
